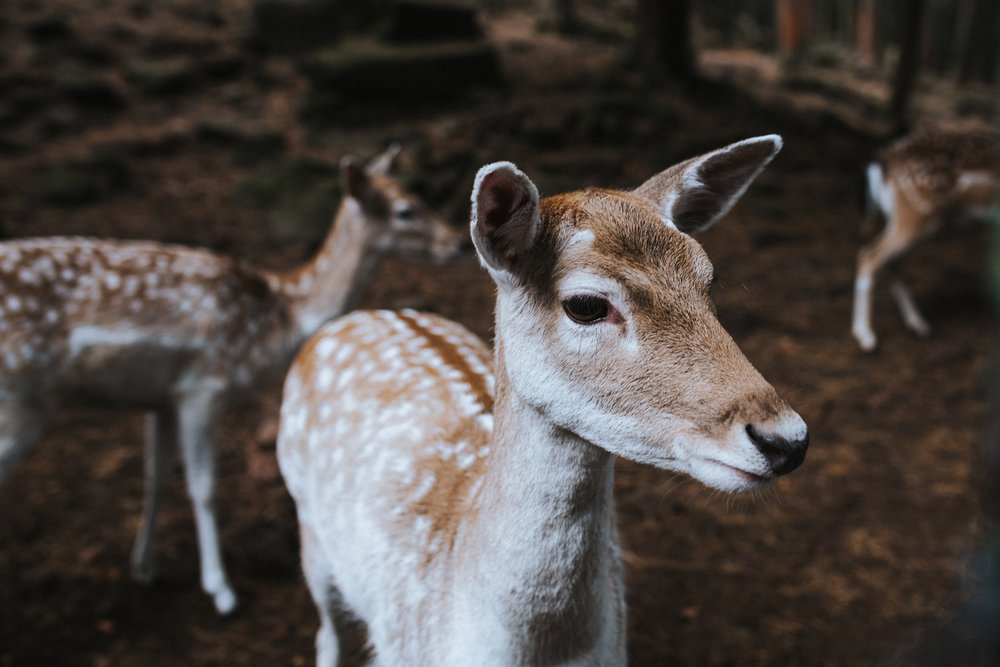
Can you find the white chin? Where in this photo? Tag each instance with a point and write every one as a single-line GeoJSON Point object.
{"type": "Point", "coordinates": [718, 475]}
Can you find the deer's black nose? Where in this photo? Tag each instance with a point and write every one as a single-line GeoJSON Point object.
{"type": "Point", "coordinates": [783, 454]}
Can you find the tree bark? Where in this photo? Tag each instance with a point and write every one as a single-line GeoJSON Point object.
{"type": "Point", "coordinates": [663, 39]}
{"type": "Point", "coordinates": [864, 32]}
{"type": "Point", "coordinates": [561, 14]}
{"type": "Point", "coordinates": [794, 30]}
{"type": "Point", "coordinates": [909, 64]}
{"type": "Point", "coordinates": [962, 45]}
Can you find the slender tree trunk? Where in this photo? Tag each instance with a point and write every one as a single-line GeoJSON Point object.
{"type": "Point", "coordinates": [961, 46]}
{"type": "Point", "coordinates": [909, 64]}
{"type": "Point", "coordinates": [663, 39]}
{"type": "Point", "coordinates": [794, 30]}
{"type": "Point", "coordinates": [980, 51]}
{"type": "Point", "coordinates": [864, 32]}
{"type": "Point", "coordinates": [561, 14]}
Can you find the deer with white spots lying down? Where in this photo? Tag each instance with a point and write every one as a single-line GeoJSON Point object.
{"type": "Point", "coordinates": [460, 502]}
{"type": "Point", "coordinates": [918, 184]}
{"type": "Point", "coordinates": [181, 332]}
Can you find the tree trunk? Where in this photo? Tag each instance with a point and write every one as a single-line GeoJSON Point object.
{"type": "Point", "coordinates": [909, 64]}
{"type": "Point", "coordinates": [663, 39]}
{"type": "Point", "coordinates": [561, 15]}
{"type": "Point", "coordinates": [794, 30]}
{"type": "Point", "coordinates": [961, 45]}
{"type": "Point", "coordinates": [864, 32]}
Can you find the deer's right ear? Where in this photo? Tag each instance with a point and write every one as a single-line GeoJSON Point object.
{"type": "Point", "coordinates": [354, 179]}
{"type": "Point", "coordinates": [383, 163]}
{"type": "Point", "coordinates": [696, 193]}
{"type": "Point", "coordinates": [505, 218]}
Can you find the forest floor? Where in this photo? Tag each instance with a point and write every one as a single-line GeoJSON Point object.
{"type": "Point", "coordinates": [154, 120]}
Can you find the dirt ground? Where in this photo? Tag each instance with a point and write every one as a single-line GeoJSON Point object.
{"type": "Point", "coordinates": [857, 558]}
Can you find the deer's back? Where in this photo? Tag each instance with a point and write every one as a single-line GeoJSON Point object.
{"type": "Point", "coordinates": [384, 437]}
{"type": "Point", "coordinates": [126, 321]}
{"type": "Point", "coordinates": [945, 170]}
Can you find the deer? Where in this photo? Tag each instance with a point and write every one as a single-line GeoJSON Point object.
{"type": "Point", "coordinates": [182, 333]}
{"type": "Point", "coordinates": [458, 501]}
{"type": "Point", "coordinates": [918, 184]}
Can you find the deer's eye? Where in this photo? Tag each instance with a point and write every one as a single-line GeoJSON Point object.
{"type": "Point", "coordinates": [586, 309]}
{"type": "Point", "coordinates": [406, 214]}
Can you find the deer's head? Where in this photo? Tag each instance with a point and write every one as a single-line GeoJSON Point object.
{"type": "Point", "coordinates": [608, 328]}
{"type": "Point", "coordinates": [397, 221]}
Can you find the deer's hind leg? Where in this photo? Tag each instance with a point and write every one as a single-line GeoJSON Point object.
{"type": "Point", "coordinates": [908, 310]}
{"type": "Point", "coordinates": [336, 619]}
{"type": "Point", "coordinates": [196, 421]}
{"type": "Point", "coordinates": [887, 247]}
{"type": "Point", "coordinates": [161, 443]}
{"type": "Point", "coordinates": [20, 428]}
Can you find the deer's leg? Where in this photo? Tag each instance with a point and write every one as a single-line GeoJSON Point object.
{"type": "Point", "coordinates": [887, 246]}
{"type": "Point", "coordinates": [325, 595]}
{"type": "Point", "coordinates": [196, 425]}
{"type": "Point", "coordinates": [908, 308]}
{"type": "Point", "coordinates": [161, 442]}
{"type": "Point", "coordinates": [20, 428]}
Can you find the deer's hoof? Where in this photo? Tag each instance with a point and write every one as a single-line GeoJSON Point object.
{"type": "Point", "coordinates": [225, 601]}
{"type": "Point", "coordinates": [866, 340]}
{"type": "Point", "coordinates": [143, 571]}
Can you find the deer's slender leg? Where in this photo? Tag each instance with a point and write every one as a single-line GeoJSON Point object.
{"type": "Point", "coordinates": [908, 308]}
{"type": "Point", "coordinates": [197, 419]}
{"type": "Point", "coordinates": [20, 428]}
{"type": "Point", "coordinates": [887, 246]}
{"type": "Point", "coordinates": [329, 602]}
{"type": "Point", "coordinates": [161, 443]}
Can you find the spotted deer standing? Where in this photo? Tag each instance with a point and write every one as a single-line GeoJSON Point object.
{"type": "Point", "coordinates": [918, 184]}
{"type": "Point", "coordinates": [460, 502]}
{"type": "Point", "coordinates": [181, 332]}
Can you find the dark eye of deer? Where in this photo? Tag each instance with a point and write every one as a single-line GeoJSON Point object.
{"type": "Point", "coordinates": [586, 309]}
{"type": "Point", "coordinates": [406, 215]}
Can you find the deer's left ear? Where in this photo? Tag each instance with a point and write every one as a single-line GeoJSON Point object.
{"type": "Point", "coordinates": [697, 192]}
{"type": "Point", "coordinates": [354, 179]}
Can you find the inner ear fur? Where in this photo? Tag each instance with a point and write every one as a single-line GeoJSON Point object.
{"type": "Point", "coordinates": [505, 215]}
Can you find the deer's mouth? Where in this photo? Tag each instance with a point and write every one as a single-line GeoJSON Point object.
{"type": "Point", "coordinates": [746, 474]}
{"type": "Point", "coordinates": [728, 477]}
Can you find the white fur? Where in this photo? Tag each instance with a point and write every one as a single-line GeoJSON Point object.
{"type": "Point", "coordinates": [879, 194]}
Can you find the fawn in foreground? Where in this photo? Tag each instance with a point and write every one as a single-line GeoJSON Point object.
{"type": "Point", "coordinates": [460, 502]}
{"type": "Point", "coordinates": [182, 332]}
{"type": "Point", "coordinates": [918, 184]}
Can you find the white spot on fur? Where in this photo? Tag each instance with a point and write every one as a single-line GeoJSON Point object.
{"type": "Point", "coordinates": [325, 347]}
{"type": "Point", "coordinates": [426, 484]}
{"type": "Point", "coordinates": [325, 378]}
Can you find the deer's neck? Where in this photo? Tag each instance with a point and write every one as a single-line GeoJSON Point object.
{"type": "Point", "coordinates": [546, 522]}
{"type": "Point", "coordinates": [332, 281]}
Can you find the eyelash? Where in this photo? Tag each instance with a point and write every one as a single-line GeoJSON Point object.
{"type": "Point", "coordinates": [587, 308]}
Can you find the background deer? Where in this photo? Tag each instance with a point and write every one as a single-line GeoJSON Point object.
{"type": "Point", "coordinates": [467, 516]}
{"type": "Point", "coordinates": [181, 332]}
{"type": "Point", "coordinates": [917, 184]}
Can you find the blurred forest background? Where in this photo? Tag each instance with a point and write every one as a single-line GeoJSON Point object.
{"type": "Point", "coordinates": [220, 123]}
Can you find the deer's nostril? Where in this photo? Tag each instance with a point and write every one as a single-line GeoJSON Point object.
{"type": "Point", "coordinates": [782, 454]}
